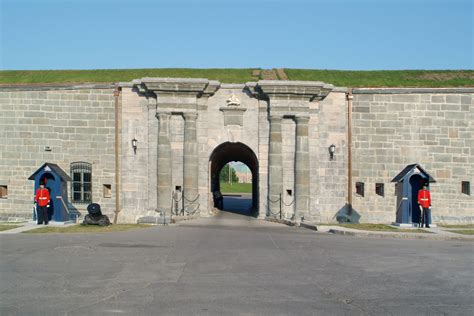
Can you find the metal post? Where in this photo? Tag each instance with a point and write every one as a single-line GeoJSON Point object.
{"type": "Point", "coordinates": [175, 202]}
{"type": "Point", "coordinates": [350, 97]}
{"type": "Point", "coordinates": [182, 202]}
{"type": "Point", "coordinates": [117, 148]}
{"type": "Point", "coordinates": [280, 205]}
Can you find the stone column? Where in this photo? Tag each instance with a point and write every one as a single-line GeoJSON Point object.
{"type": "Point", "coordinates": [275, 166]}
{"type": "Point", "coordinates": [301, 167]}
{"type": "Point", "coordinates": [163, 163]}
{"type": "Point", "coordinates": [191, 159]}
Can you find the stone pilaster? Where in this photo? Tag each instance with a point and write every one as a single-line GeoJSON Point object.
{"type": "Point", "coordinates": [301, 167]}
{"type": "Point", "coordinates": [275, 167]}
{"type": "Point", "coordinates": [190, 159]}
{"type": "Point", "coordinates": [152, 151]}
{"type": "Point", "coordinates": [163, 164]}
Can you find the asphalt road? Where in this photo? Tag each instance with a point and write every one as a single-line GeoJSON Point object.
{"type": "Point", "coordinates": [232, 265]}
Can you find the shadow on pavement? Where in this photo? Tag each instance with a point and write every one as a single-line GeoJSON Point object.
{"type": "Point", "coordinates": [238, 204]}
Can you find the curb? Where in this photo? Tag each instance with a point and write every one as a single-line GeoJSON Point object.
{"type": "Point", "coordinates": [431, 236]}
{"type": "Point", "coordinates": [282, 221]}
{"type": "Point", "coordinates": [308, 226]}
{"type": "Point", "coordinates": [365, 233]}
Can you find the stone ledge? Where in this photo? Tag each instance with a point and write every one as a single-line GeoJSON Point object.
{"type": "Point", "coordinates": [303, 89]}
{"type": "Point", "coordinates": [410, 90]}
{"type": "Point", "coordinates": [47, 87]}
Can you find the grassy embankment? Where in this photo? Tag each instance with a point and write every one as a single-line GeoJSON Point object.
{"type": "Point", "coordinates": [381, 78]}
{"type": "Point", "coordinates": [87, 228]}
{"type": "Point", "coordinates": [117, 75]}
{"type": "Point", "coordinates": [236, 188]}
{"type": "Point", "coordinates": [387, 78]}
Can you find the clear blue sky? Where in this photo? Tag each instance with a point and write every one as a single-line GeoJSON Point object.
{"type": "Point", "coordinates": [329, 34]}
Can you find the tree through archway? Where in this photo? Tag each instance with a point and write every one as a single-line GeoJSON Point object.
{"type": "Point", "coordinates": [228, 152]}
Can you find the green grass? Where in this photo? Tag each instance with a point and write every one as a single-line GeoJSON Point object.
{"type": "Point", "coordinates": [458, 226]}
{"type": "Point", "coordinates": [236, 187]}
{"type": "Point", "coordinates": [463, 231]}
{"type": "Point", "coordinates": [87, 229]}
{"type": "Point", "coordinates": [116, 75]}
{"type": "Point", "coordinates": [386, 78]}
{"type": "Point", "coordinates": [381, 227]}
{"type": "Point", "coordinates": [380, 78]}
{"type": "Point", "coordinates": [8, 226]}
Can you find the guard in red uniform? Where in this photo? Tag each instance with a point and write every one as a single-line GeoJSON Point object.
{"type": "Point", "coordinates": [424, 200]}
{"type": "Point", "coordinates": [42, 199]}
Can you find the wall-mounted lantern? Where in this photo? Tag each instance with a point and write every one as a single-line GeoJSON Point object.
{"type": "Point", "coordinates": [332, 150]}
{"type": "Point", "coordinates": [134, 145]}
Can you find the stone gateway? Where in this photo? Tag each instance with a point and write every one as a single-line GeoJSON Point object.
{"type": "Point", "coordinates": [316, 152]}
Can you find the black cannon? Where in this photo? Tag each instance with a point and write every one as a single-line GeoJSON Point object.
{"type": "Point", "coordinates": [95, 216]}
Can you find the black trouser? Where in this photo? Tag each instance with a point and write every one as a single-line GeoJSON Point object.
{"type": "Point", "coordinates": [425, 217]}
{"type": "Point", "coordinates": [42, 214]}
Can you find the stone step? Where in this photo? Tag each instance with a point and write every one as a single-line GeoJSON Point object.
{"type": "Point", "coordinates": [281, 74]}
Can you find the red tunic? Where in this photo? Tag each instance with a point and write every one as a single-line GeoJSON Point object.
{"type": "Point", "coordinates": [42, 197]}
{"type": "Point", "coordinates": [424, 198]}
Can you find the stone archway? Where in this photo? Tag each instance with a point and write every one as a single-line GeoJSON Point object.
{"type": "Point", "coordinates": [227, 152]}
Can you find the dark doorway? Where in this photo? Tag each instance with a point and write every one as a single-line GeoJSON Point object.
{"type": "Point", "coordinates": [416, 182]}
{"type": "Point", "coordinates": [50, 184]}
{"type": "Point", "coordinates": [235, 203]}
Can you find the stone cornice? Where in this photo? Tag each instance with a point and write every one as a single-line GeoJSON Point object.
{"type": "Point", "coordinates": [211, 88]}
{"type": "Point", "coordinates": [412, 90]}
{"type": "Point", "coordinates": [177, 86]}
{"type": "Point", "coordinates": [299, 90]}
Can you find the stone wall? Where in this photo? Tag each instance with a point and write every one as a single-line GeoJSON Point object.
{"type": "Point", "coordinates": [134, 165]}
{"type": "Point", "coordinates": [329, 177]}
{"type": "Point", "coordinates": [393, 128]}
{"type": "Point", "coordinates": [77, 123]}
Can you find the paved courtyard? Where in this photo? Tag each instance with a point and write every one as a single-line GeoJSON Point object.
{"type": "Point", "coordinates": [232, 264]}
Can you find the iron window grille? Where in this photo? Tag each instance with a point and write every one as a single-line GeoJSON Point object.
{"type": "Point", "coordinates": [81, 182]}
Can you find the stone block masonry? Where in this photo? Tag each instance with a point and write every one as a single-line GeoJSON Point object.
{"type": "Point", "coordinates": [396, 127]}
{"type": "Point", "coordinates": [282, 128]}
{"type": "Point", "coordinates": [76, 123]}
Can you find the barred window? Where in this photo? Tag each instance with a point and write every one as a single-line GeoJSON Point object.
{"type": "Point", "coordinates": [81, 182]}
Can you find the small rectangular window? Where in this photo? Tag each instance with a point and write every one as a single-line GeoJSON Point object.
{"type": "Point", "coordinates": [107, 190]}
{"type": "Point", "coordinates": [360, 188]}
{"type": "Point", "coordinates": [466, 187]}
{"type": "Point", "coordinates": [3, 192]}
{"type": "Point", "coordinates": [379, 189]}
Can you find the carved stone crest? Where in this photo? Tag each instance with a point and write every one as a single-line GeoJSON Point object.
{"type": "Point", "coordinates": [233, 101]}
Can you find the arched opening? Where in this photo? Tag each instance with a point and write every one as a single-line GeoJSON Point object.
{"type": "Point", "coordinates": [221, 156]}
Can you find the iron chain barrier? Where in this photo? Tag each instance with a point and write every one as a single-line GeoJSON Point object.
{"type": "Point", "coordinates": [192, 205]}
{"type": "Point", "coordinates": [280, 213]}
